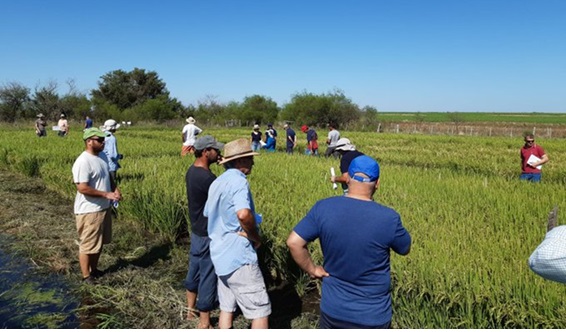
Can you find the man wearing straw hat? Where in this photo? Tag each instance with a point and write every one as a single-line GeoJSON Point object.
{"type": "Point", "coordinates": [189, 135]}
{"type": "Point", "coordinates": [356, 235]}
{"type": "Point", "coordinates": [40, 125]}
{"type": "Point", "coordinates": [234, 238]}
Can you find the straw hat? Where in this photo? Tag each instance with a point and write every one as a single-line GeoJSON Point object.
{"type": "Point", "coordinates": [191, 120]}
{"type": "Point", "coordinates": [40, 115]}
{"type": "Point", "coordinates": [239, 148]}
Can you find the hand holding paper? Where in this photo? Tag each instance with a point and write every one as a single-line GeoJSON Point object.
{"type": "Point", "coordinates": [534, 159]}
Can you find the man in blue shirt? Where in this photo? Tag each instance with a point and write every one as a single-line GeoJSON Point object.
{"type": "Point", "coordinates": [356, 235]}
{"type": "Point", "coordinates": [234, 238]}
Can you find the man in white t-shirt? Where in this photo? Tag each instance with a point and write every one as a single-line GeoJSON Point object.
{"type": "Point", "coordinates": [189, 135]}
{"type": "Point", "coordinates": [95, 192]}
{"type": "Point", "coordinates": [333, 137]}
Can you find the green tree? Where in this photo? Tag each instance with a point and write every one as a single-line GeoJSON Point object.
{"type": "Point", "coordinates": [13, 99]}
{"type": "Point", "coordinates": [258, 109]}
{"type": "Point", "coordinates": [46, 100]}
{"type": "Point", "coordinates": [319, 110]}
{"type": "Point", "coordinates": [120, 91]}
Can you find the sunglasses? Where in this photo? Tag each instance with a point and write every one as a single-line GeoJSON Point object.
{"type": "Point", "coordinates": [98, 139]}
{"type": "Point", "coordinates": [530, 141]}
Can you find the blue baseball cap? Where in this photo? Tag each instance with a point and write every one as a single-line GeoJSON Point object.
{"type": "Point", "coordinates": [365, 165]}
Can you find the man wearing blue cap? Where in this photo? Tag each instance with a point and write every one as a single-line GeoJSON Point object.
{"type": "Point", "coordinates": [95, 191]}
{"type": "Point", "coordinates": [356, 235]}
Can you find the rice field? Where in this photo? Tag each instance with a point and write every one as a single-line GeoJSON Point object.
{"type": "Point", "coordinates": [473, 223]}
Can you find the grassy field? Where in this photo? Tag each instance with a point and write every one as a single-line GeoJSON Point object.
{"type": "Point", "coordinates": [473, 223]}
{"type": "Point", "coordinates": [540, 118]}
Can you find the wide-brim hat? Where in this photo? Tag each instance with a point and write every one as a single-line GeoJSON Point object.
{"type": "Point", "coordinates": [110, 124]}
{"type": "Point", "coordinates": [344, 144]}
{"type": "Point", "coordinates": [191, 120]}
{"type": "Point", "coordinates": [239, 148]}
{"type": "Point", "coordinates": [40, 115]}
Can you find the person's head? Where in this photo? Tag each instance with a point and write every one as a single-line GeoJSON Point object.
{"type": "Point", "coordinates": [285, 126]}
{"type": "Point", "coordinates": [529, 140]}
{"type": "Point", "coordinates": [238, 154]}
{"type": "Point", "coordinates": [62, 116]}
{"type": "Point", "coordinates": [304, 128]}
{"type": "Point", "coordinates": [256, 127]}
{"type": "Point", "coordinates": [208, 150]}
{"type": "Point", "coordinates": [87, 117]}
{"type": "Point", "coordinates": [110, 125]}
{"type": "Point", "coordinates": [94, 140]}
{"type": "Point", "coordinates": [344, 145]}
{"type": "Point", "coordinates": [191, 120]}
{"type": "Point", "coordinates": [331, 126]}
{"type": "Point", "coordinates": [40, 116]}
{"type": "Point", "coordinates": [364, 176]}
{"type": "Point", "coordinates": [269, 126]}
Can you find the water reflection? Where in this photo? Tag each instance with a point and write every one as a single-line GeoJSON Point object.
{"type": "Point", "coordinates": [29, 299]}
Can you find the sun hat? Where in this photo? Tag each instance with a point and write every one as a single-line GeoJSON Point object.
{"type": "Point", "coordinates": [364, 165]}
{"type": "Point", "coordinates": [344, 144]}
{"type": "Point", "coordinates": [256, 126]}
{"type": "Point", "coordinates": [40, 115]}
{"type": "Point", "coordinates": [207, 141]}
{"type": "Point", "coordinates": [286, 125]}
{"type": "Point", "coordinates": [62, 115]}
{"type": "Point", "coordinates": [304, 128]}
{"type": "Point", "coordinates": [90, 132]}
{"type": "Point", "coordinates": [239, 148]}
{"type": "Point", "coordinates": [110, 125]}
{"type": "Point", "coordinates": [191, 120]}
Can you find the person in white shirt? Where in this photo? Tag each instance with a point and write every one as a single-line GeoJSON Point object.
{"type": "Point", "coordinates": [95, 192]}
{"type": "Point", "coordinates": [333, 137]}
{"type": "Point", "coordinates": [63, 125]}
{"type": "Point", "coordinates": [189, 136]}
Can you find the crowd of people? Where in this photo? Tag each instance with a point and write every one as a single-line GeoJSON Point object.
{"type": "Point", "coordinates": [223, 267]}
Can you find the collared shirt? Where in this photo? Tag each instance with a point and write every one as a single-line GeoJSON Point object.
{"type": "Point", "coordinates": [229, 193]}
{"type": "Point", "coordinates": [111, 151]}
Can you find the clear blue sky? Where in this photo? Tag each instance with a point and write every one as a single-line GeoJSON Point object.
{"type": "Point", "coordinates": [395, 55]}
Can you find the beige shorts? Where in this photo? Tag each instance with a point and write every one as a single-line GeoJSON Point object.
{"type": "Point", "coordinates": [94, 229]}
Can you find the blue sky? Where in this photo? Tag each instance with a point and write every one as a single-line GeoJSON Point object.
{"type": "Point", "coordinates": [395, 55]}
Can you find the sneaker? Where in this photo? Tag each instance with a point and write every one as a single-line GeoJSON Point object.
{"type": "Point", "coordinates": [88, 280]}
{"type": "Point", "coordinates": [96, 273]}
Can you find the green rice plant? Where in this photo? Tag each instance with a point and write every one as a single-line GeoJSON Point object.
{"type": "Point", "coordinates": [473, 223]}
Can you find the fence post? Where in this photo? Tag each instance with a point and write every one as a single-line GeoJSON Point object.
{"type": "Point", "coordinates": [397, 130]}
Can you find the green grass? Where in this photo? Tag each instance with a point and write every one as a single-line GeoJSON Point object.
{"type": "Point", "coordinates": [474, 224]}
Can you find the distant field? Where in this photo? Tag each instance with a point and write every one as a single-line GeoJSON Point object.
{"type": "Point", "coordinates": [542, 118]}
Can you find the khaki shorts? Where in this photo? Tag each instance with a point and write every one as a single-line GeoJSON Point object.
{"type": "Point", "coordinates": [94, 229]}
{"type": "Point", "coordinates": [244, 288]}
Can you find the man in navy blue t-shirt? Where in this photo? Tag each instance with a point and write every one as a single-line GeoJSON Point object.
{"type": "Point", "coordinates": [291, 138]}
{"type": "Point", "coordinates": [356, 235]}
{"type": "Point", "coordinates": [347, 153]}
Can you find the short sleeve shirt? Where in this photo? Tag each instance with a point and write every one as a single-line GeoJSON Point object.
{"type": "Point", "coordinates": [92, 170]}
{"type": "Point", "coordinates": [333, 137]}
{"type": "Point", "coordinates": [228, 194]}
{"type": "Point", "coordinates": [535, 150]}
{"type": "Point", "coordinates": [190, 131]}
{"type": "Point", "coordinates": [356, 237]}
{"type": "Point", "coordinates": [198, 181]}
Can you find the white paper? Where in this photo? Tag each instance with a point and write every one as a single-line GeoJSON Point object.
{"type": "Point", "coordinates": [533, 159]}
{"type": "Point", "coordinates": [55, 128]}
{"type": "Point", "coordinates": [334, 185]}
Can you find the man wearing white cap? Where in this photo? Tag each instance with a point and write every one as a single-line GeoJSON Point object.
{"type": "Point", "coordinates": [356, 235]}
{"type": "Point", "coordinates": [348, 153]}
{"type": "Point", "coordinates": [234, 238]}
{"type": "Point", "coordinates": [189, 136]}
{"type": "Point", "coordinates": [111, 147]}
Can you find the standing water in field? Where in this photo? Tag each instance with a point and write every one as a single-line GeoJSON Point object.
{"type": "Point", "coordinates": [29, 299]}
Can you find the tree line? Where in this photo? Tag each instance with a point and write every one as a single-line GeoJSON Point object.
{"type": "Point", "coordinates": [141, 95]}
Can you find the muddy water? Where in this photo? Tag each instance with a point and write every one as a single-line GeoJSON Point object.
{"type": "Point", "coordinates": [29, 299]}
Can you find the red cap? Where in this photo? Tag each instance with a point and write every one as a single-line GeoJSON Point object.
{"type": "Point", "coordinates": [304, 128]}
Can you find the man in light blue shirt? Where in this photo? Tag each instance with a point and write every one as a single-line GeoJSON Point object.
{"type": "Point", "coordinates": [234, 238]}
{"type": "Point", "coordinates": [111, 147]}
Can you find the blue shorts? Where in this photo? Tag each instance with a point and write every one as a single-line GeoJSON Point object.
{"type": "Point", "coordinates": [327, 322]}
{"type": "Point", "coordinates": [201, 278]}
{"type": "Point", "coordinates": [533, 177]}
